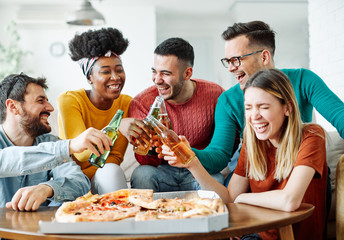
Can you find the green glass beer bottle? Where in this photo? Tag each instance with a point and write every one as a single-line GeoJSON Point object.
{"type": "Point", "coordinates": [182, 151]}
{"type": "Point", "coordinates": [112, 131]}
{"type": "Point", "coordinates": [153, 111]}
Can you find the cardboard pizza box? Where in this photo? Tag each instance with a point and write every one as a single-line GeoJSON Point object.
{"type": "Point", "coordinates": [130, 226]}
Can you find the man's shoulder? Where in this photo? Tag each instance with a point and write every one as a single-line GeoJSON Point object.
{"type": "Point", "coordinates": [124, 98]}
{"type": "Point", "coordinates": [297, 73]}
{"type": "Point", "coordinates": [147, 95]}
{"type": "Point", "coordinates": [78, 92]}
{"type": "Point", "coordinates": [47, 137]}
{"type": "Point", "coordinates": [207, 83]}
{"type": "Point", "coordinates": [72, 94]}
{"type": "Point", "coordinates": [233, 93]}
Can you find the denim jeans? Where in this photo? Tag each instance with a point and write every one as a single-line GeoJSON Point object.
{"type": "Point", "coordinates": [166, 178]}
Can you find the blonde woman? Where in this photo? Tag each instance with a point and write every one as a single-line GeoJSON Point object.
{"type": "Point", "coordinates": [282, 161]}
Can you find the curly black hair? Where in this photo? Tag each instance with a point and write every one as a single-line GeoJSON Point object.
{"type": "Point", "coordinates": [95, 43]}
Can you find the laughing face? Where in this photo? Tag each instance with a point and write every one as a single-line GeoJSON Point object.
{"type": "Point", "coordinates": [168, 76]}
{"type": "Point", "coordinates": [265, 113]}
{"type": "Point", "coordinates": [239, 46]}
{"type": "Point", "coordinates": [35, 111]}
{"type": "Point", "coordinates": [107, 78]}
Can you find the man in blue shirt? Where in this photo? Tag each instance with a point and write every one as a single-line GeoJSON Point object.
{"type": "Point", "coordinates": [36, 167]}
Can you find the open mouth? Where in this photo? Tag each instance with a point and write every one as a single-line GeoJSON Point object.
{"type": "Point", "coordinates": [44, 117]}
{"type": "Point", "coordinates": [114, 86]}
{"type": "Point", "coordinates": [163, 89]}
{"type": "Point", "coordinates": [240, 77]}
{"type": "Point", "coordinates": [260, 127]}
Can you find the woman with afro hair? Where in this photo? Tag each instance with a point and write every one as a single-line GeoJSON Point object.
{"type": "Point", "coordinates": [98, 54]}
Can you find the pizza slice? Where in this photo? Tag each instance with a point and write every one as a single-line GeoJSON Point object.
{"type": "Point", "coordinates": [112, 206]}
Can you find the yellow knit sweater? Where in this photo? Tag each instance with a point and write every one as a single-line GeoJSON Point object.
{"type": "Point", "coordinates": [76, 113]}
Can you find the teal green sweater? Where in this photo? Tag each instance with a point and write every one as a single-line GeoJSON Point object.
{"type": "Point", "coordinates": [310, 90]}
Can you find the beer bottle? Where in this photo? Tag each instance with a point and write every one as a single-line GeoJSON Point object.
{"type": "Point", "coordinates": [183, 152]}
{"type": "Point", "coordinates": [153, 111]}
{"type": "Point", "coordinates": [163, 116]}
{"type": "Point", "coordinates": [112, 131]}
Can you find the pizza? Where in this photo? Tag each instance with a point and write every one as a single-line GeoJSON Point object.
{"type": "Point", "coordinates": [134, 203]}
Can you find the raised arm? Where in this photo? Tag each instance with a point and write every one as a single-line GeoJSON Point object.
{"type": "Point", "coordinates": [328, 104]}
{"type": "Point", "coordinates": [207, 182]}
{"type": "Point", "coordinates": [18, 161]}
{"type": "Point", "coordinates": [229, 115]}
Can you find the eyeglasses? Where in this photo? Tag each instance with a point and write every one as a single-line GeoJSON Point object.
{"type": "Point", "coordinates": [16, 78]}
{"type": "Point", "coordinates": [235, 61]}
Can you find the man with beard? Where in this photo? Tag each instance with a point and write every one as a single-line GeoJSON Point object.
{"type": "Point", "coordinates": [190, 104]}
{"type": "Point", "coordinates": [36, 167]}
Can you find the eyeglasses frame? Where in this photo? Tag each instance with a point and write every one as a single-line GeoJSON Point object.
{"type": "Point", "coordinates": [226, 61]}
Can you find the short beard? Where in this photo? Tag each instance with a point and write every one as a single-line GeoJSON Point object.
{"type": "Point", "coordinates": [32, 125]}
{"type": "Point", "coordinates": [176, 90]}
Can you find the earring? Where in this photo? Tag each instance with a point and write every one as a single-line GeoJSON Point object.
{"type": "Point", "coordinates": [90, 82]}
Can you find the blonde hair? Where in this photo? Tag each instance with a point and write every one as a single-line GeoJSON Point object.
{"type": "Point", "coordinates": [277, 84]}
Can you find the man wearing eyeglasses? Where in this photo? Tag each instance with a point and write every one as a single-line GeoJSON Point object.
{"type": "Point", "coordinates": [36, 167]}
{"type": "Point", "coordinates": [250, 47]}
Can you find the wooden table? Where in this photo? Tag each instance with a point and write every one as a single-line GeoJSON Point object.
{"type": "Point", "coordinates": [243, 219]}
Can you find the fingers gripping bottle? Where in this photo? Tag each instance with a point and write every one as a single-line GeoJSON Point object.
{"type": "Point", "coordinates": [183, 152]}
{"type": "Point", "coordinates": [112, 131]}
{"type": "Point", "coordinates": [154, 112]}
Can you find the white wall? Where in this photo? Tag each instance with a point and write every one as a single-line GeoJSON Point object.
{"type": "Point", "coordinates": [326, 30]}
{"type": "Point", "coordinates": [145, 26]}
{"type": "Point", "coordinates": [203, 31]}
{"type": "Point", "coordinates": [136, 24]}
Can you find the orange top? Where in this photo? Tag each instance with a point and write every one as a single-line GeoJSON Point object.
{"type": "Point", "coordinates": [312, 153]}
{"type": "Point", "coordinates": [77, 113]}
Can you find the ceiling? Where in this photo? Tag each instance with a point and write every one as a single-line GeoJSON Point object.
{"type": "Point", "coordinates": [175, 6]}
{"type": "Point", "coordinates": [238, 10]}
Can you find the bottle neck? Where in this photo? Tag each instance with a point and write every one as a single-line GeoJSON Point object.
{"type": "Point", "coordinates": [116, 120]}
{"type": "Point", "coordinates": [155, 107]}
{"type": "Point", "coordinates": [158, 127]}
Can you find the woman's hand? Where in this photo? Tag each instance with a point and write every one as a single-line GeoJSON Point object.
{"type": "Point", "coordinates": [171, 157]}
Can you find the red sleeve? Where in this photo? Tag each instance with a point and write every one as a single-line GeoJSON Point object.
{"type": "Point", "coordinates": [241, 166]}
{"type": "Point", "coordinates": [137, 110]}
{"type": "Point", "coordinates": [312, 152]}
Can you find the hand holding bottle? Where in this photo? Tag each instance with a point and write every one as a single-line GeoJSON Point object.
{"type": "Point", "coordinates": [181, 150]}
{"type": "Point", "coordinates": [143, 148]}
{"type": "Point", "coordinates": [171, 157]}
{"type": "Point", "coordinates": [157, 146]}
{"type": "Point", "coordinates": [136, 131]}
{"type": "Point", "coordinates": [88, 139]}
{"type": "Point", "coordinates": [112, 131]}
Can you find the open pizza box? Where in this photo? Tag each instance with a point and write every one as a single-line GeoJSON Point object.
{"type": "Point", "coordinates": [130, 226]}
